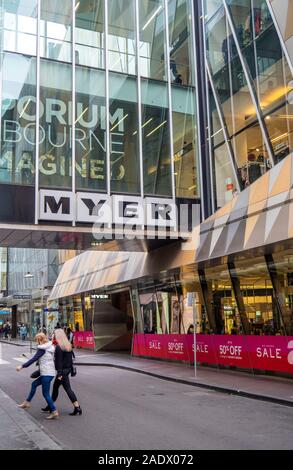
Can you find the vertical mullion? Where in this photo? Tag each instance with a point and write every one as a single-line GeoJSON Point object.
{"type": "Point", "coordinates": [209, 117]}
{"type": "Point", "coordinates": [224, 127]}
{"type": "Point", "coordinates": [38, 93]}
{"type": "Point", "coordinates": [137, 26]}
{"type": "Point", "coordinates": [198, 123]}
{"type": "Point", "coordinates": [107, 114]}
{"type": "Point", "coordinates": [73, 166]}
{"type": "Point", "coordinates": [167, 37]}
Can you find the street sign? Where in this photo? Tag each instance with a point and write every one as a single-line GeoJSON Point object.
{"type": "Point", "coordinates": [22, 297]}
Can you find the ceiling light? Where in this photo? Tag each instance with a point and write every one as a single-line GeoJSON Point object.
{"type": "Point", "coordinates": [119, 122]}
{"type": "Point", "coordinates": [24, 109]}
{"type": "Point", "coordinates": [81, 115]}
{"type": "Point", "coordinates": [157, 128]}
{"type": "Point", "coordinates": [152, 17]}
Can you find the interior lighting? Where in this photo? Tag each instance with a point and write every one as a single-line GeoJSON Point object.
{"type": "Point", "coordinates": [84, 111]}
{"type": "Point", "coordinates": [146, 123]}
{"type": "Point", "coordinates": [119, 122]}
{"type": "Point", "coordinates": [152, 17]}
{"type": "Point", "coordinates": [156, 129]}
{"type": "Point", "coordinates": [24, 109]}
{"type": "Point", "coordinates": [220, 130]}
{"type": "Point", "coordinates": [77, 6]}
{"type": "Point", "coordinates": [279, 137]}
{"type": "Point", "coordinates": [152, 169]}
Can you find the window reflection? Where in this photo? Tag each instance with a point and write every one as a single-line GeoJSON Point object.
{"type": "Point", "coordinates": [90, 131]}
{"type": "Point", "coordinates": [123, 134]}
{"type": "Point", "coordinates": [181, 49]}
{"type": "Point", "coordinates": [20, 26]}
{"type": "Point", "coordinates": [18, 121]}
{"type": "Point", "coordinates": [56, 30]}
{"type": "Point", "coordinates": [185, 142]}
{"type": "Point", "coordinates": [55, 124]}
{"type": "Point", "coordinates": [122, 44]}
{"type": "Point", "coordinates": [89, 33]}
{"type": "Point", "coordinates": [152, 39]}
{"type": "Point", "coordinates": [156, 139]}
{"type": "Point", "coordinates": [271, 77]}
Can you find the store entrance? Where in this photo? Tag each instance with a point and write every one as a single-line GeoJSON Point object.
{"type": "Point", "coordinates": [113, 321]}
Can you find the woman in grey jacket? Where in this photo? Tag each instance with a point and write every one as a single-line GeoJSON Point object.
{"type": "Point", "coordinates": [45, 357]}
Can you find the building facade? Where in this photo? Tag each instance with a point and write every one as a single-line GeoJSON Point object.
{"type": "Point", "coordinates": [162, 102]}
{"type": "Point", "coordinates": [93, 103]}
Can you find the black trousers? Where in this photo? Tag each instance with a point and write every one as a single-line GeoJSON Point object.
{"type": "Point", "coordinates": [65, 382]}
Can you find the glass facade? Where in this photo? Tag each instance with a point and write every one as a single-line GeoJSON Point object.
{"type": "Point", "coordinates": [251, 80]}
{"type": "Point", "coordinates": [229, 299]}
{"type": "Point", "coordinates": [99, 96]}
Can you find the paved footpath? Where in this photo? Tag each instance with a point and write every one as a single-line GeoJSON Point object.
{"type": "Point", "coordinates": [18, 430]}
{"type": "Point", "coordinates": [263, 387]}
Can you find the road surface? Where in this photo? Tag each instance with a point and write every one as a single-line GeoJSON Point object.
{"type": "Point", "coordinates": [124, 410]}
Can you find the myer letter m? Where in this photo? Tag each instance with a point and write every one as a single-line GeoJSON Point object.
{"type": "Point", "coordinates": [56, 205]}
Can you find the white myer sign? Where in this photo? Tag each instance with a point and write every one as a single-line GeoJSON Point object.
{"type": "Point", "coordinates": [108, 210]}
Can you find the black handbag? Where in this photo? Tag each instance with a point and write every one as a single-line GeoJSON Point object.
{"type": "Point", "coordinates": [36, 374]}
{"type": "Point", "coordinates": [73, 371]}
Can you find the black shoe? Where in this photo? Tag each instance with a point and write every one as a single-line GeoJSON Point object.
{"type": "Point", "coordinates": [46, 410]}
{"type": "Point", "coordinates": [77, 411]}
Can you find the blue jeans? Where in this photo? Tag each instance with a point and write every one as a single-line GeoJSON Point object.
{"type": "Point", "coordinates": [45, 381]}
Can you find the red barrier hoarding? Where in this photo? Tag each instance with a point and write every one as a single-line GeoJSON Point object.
{"type": "Point", "coordinates": [84, 340]}
{"type": "Point", "coordinates": [272, 353]}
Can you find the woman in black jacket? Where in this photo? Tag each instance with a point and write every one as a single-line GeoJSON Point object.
{"type": "Point", "coordinates": [63, 365]}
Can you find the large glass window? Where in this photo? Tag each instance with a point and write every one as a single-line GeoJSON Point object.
{"type": "Point", "coordinates": [227, 318]}
{"type": "Point", "coordinates": [152, 50]}
{"type": "Point", "coordinates": [181, 48]}
{"type": "Point", "coordinates": [125, 174]}
{"type": "Point", "coordinates": [90, 130]}
{"type": "Point", "coordinates": [268, 67]}
{"type": "Point", "coordinates": [55, 125]}
{"type": "Point", "coordinates": [156, 139]}
{"type": "Point", "coordinates": [258, 296]}
{"type": "Point", "coordinates": [240, 115]}
{"type": "Point", "coordinates": [185, 142]}
{"type": "Point", "coordinates": [89, 33]}
{"type": "Point", "coordinates": [18, 120]}
{"type": "Point", "coordinates": [56, 30]}
{"type": "Point", "coordinates": [19, 33]}
{"type": "Point", "coordinates": [122, 43]}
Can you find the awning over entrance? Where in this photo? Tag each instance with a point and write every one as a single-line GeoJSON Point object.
{"type": "Point", "coordinates": [100, 270]}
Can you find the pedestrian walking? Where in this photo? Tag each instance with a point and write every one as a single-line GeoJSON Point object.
{"type": "Point", "coordinates": [64, 367]}
{"type": "Point", "coordinates": [23, 332]}
{"type": "Point", "coordinates": [70, 336]}
{"type": "Point", "coordinates": [45, 357]}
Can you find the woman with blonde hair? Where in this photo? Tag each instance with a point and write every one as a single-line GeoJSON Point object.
{"type": "Point", "coordinates": [63, 365]}
{"type": "Point", "coordinates": [45, 357]}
